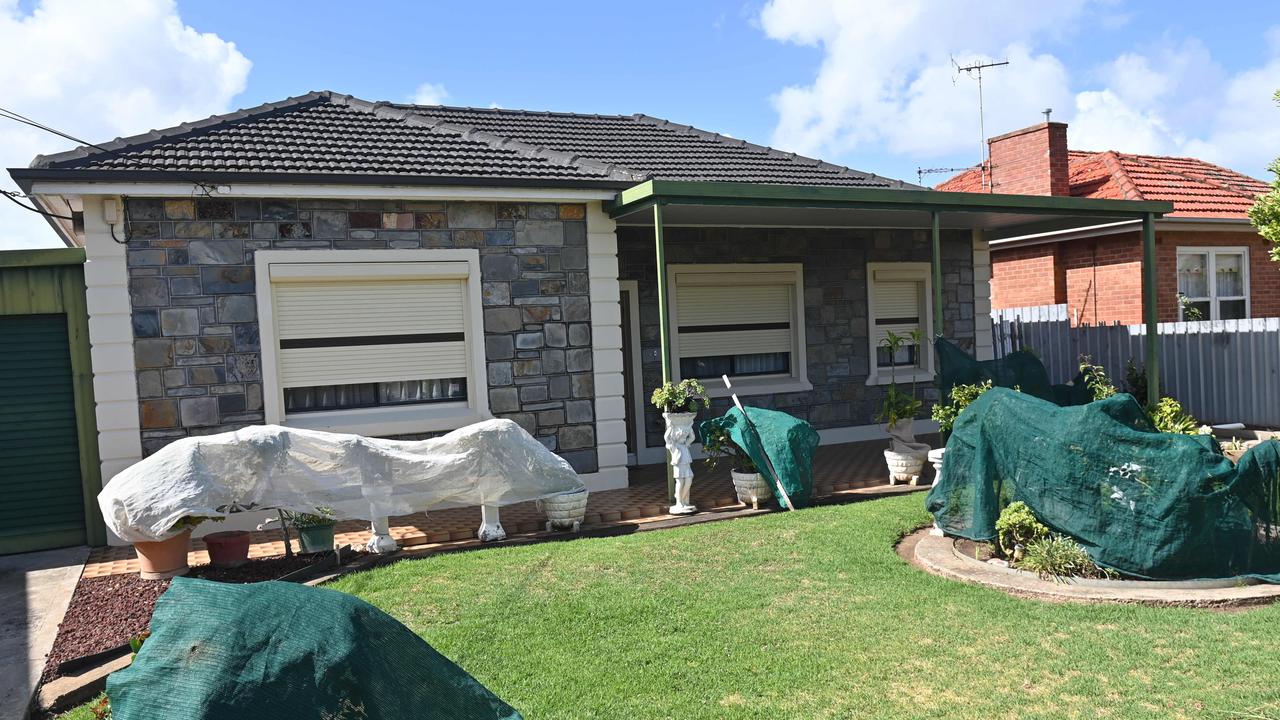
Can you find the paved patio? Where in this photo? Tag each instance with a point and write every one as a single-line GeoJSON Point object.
{"type": "Point", "coordinates": [838, 469]}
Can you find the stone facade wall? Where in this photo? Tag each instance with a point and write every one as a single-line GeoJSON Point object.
{"type": "Point", "coordinates": [835, 300]}
{"type": "Point", "coordinates": [196, 342]}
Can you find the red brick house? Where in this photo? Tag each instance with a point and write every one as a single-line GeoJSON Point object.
{"type": "Point", "coordinates": [1211, 260]}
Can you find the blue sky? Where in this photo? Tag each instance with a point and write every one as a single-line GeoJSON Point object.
{"type": "Point", "coordinates": [866, 84]}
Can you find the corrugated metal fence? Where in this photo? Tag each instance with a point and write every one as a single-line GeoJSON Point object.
{"type": "Point", "coordinates": [1221, 371]}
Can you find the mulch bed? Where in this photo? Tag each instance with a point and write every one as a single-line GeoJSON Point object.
{"type": "Point", "coordinates": [106, 612]}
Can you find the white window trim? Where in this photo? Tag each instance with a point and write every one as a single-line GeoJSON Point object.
{"type": "Point", "coordinates": [399, 420]}
{"type": "Point", "coordinates": [1212, 275]}
{"type": "Point", "coordinates": [924, 373]}
{"type": "Point", "coordinates": [797, 381]}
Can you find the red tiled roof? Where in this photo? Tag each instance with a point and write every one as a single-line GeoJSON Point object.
{"type": "Point", "coordinates": [1195, 187]}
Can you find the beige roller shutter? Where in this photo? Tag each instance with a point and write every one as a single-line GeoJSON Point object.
{"type": "Point", "coordinates": [337, 332]}
{"type": "Point", "coordinates": [736, 319]}
{"type": "Point", "coordinates": [897, 307]}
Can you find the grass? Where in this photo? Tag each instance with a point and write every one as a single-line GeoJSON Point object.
{"type": "Point", "coordinates": [809, 615]}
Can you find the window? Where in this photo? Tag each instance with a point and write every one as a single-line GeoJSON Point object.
{"type": "Point", "coordinates": [898, 302]}
{"type": "Point", "coordinates": [364, 341]}
{"type": "Point", "coordinates": [744, 321]}
{"type": "Point", "coordinates": [1213, 283]}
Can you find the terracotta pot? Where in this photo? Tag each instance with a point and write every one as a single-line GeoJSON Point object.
{"type": "Point", "coordinates": [228, 549]}
{"type": "Point", "coordinates": [315, 538]}
{"type": "Point", "coordinates": [162, 559]}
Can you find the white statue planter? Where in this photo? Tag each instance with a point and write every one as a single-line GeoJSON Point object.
{"type": "Point", "coordinates": [679, 436]}
{"type": "Point", "coordinates": [565, 511]}
{"type": "Point", "coordinates": [935, 459]}
{"type": "Point", "coordinates": [751, 488]}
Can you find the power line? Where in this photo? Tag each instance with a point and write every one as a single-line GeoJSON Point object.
{"type": "Point", "coordinates": [8, 114]}
{"type": "Point", "coordinates": [13, 198]}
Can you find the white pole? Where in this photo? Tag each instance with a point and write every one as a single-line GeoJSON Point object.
{"type": "Point", "coordinates": [773, 474]}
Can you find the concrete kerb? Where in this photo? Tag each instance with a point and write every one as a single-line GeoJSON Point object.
{"type": "Point", "coordinates": [937, 555]}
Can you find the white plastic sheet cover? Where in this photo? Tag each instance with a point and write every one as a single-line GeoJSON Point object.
{"type": "Point", "coordinates": [494, 462]}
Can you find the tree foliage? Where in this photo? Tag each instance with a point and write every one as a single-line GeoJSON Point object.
{"type": "Point", "coordinates": [1265, 214]}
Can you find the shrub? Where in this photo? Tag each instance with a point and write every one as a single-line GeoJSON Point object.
{"type": "Point", "coordinates": [1169, 417]}
{"type": "Point", "coordinates": [672, 398]}
{"type": "Point", "coordinates": [962, 396]}
{"type": "Point", "coordinates": [898, 405]}
{"type": "Point", "coordinates": [1095, 378]}
{"type": "Point", "coordinates": [1058, 556]}
{"type": "Point", "coordinates": [1018, 526]}
{"type": "Point", "coordinates": [719, 447]}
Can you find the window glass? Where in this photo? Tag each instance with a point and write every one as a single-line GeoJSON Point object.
{"type": "Point", "coordinates": [1193, 279]}
{"type": "Point", "coordinates": [905, 357]}
{"type": "Point", "coordinates": [1228, 274]}
{"type": "Point", "coordinates": [1231, 310]}
{"type": "Point", "coordinates": [364, 395]}
{"type": "Point", "coordinates": [713, 366]}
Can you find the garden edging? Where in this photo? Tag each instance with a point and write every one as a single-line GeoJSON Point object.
{"type": "Point", "coordinates": [938, 556]}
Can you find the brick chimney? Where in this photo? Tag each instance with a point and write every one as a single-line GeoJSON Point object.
{"type": "Point", "coordinates": [1031, 161]}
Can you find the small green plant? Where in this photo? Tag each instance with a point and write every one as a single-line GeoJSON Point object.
{"type": "Point", "coordinates": [1095, 378]}
{"type": "Point", "coordinates": [1190, 312]}
{"type": "Point", "coordinates": [720, 447]}
{"type": "Point", "coordinates": [192, 521]}
{"type": "Point", "coordinates": [682, 397]}
{"type": "Point", "coordinates": [1169, 417]}
{"type": "Point", "coordinates": [135, 642]}
{"type": "Point", "coordinates": [962, 396]}
{"type": "Point", "coordinates": [321, 517]}
{"type": "Point", "coordinates": [1135, 380]}
{"type": "Point", "coordinates": [1017, 525]}
{"type": "Point", "coordinates": [1057, 557]}
{"type": "Point", "coordinates": [101, 708]}
{"type": "Point", "coordinates": [898, 405]}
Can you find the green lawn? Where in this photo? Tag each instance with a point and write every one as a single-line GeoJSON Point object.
{"type": "Point", "coordinates": [807, 615]}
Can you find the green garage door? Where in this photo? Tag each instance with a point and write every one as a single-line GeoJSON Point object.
{"type": "Point", "coordinates": [41, 502]}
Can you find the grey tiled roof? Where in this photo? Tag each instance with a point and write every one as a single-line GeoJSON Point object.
{"type": "Point", "coordinates": [326, 136]}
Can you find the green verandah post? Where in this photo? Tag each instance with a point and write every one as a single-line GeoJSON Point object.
{"type": "Point", "coordinates": [1150, 312]}
{"type": "Point", "coordinates": [664, 318]}
{"type": "Point", "coordinates": [936, 266]}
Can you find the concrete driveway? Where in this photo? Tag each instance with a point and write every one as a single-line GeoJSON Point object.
{"type": "Point", "coordinates": [35, 589]}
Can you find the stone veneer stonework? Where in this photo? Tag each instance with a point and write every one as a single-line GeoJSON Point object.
{"type": "Point", "coordinates": [195, 327]}
{"type": "Point", "coordinates": [835, 300]}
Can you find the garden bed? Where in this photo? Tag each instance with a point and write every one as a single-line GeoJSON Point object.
{"type": "Point", "coordinates": [106, 612]}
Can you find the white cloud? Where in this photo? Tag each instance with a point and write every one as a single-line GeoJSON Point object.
{"type": "Point", "coordinates": [886, 84]}
{"type": "Point", "coordinates": [430, 94]}
{"type": "Point", "coordinates": [886, 64]}
{"type": "Point", "coordinates": [99, 70]}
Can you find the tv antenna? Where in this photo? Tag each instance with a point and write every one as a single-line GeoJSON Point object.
{"type": "Point", "coordinates": [922, 171]}
{"type": "Point", "coordinates": [974, 70]}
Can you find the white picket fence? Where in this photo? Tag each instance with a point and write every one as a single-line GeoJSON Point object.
{"type": "Point", "coordinates": [1221, 371]}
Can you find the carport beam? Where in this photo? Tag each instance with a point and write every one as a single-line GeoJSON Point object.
{"type": "Point", "coordinates": [664, 319]}
{"type": "Point", "coordinates": [1149, 307]}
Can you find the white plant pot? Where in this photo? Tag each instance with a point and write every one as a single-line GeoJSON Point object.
{"type": "Point", "coordinates": [679, 436]}
{"type": "Point", "coordinates": [935, 459]}
{"type": "Point", "coordinates": [565, 511]}
{"type": "Point", "coordinates": [904, 466]}
{"type": "Point", "coordinates": [752, 488]}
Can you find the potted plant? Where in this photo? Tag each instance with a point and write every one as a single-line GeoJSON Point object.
{"type": "Point", "coordinates": [565, 511]}
{"type": "Point", "coordinates": [227, 549]}
{"type": "Point", "coordinates": [905, 457]}
{"type": "Point", "coordinates": [161, 559]}
{"type": "Point", "coordinates": [749, 484]}
{"type": "Point", "coordinates": [679, 405]}
{"type": "Point", "coordinates": [315, 529]}
{"type": "Point", "coordinates": [945, 414]}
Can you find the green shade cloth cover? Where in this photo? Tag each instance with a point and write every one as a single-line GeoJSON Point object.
{"type": "Point", "coordinates": [1020, 369]}
{"type": "Point", "coordinates": [788, 442]}
{"type": "Point", "coordinates": [1144, 503]}
{"type": "Point", "coordinates": [272, 650]}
